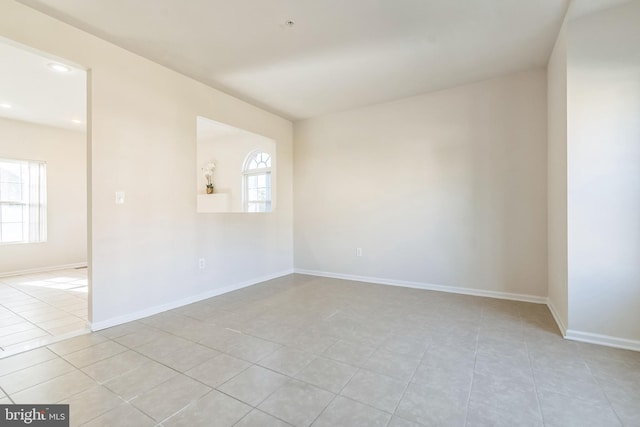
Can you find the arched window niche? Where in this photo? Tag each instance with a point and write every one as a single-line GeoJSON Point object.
{"type": "Point", "coordinates": [256, 177]}
{"type": "Point", "coordinates": [235, 169]}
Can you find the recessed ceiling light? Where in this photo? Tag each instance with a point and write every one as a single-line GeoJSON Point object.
{"type": "Point", "coordinates": [60, 68]}
{"type": "Point", "coordinates": [5, 105]}
{"type": "Point", "coordinates": [76, 121]}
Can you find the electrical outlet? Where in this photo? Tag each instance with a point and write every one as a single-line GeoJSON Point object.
{"type": "Point", "coordinates": [201, 263]}
{"type": "Point", "coordinates": [358, 251]}
{"type": "Point", "coordinates": [119, 197]}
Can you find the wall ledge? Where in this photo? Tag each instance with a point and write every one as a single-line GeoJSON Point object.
{"type": "Point", "coordinates": [118, 320]}
{"type": "Point", "coordinates": [429, 287]}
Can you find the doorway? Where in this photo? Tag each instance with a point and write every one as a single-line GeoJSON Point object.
{"type": "Point", "coordinates": [44, 283]}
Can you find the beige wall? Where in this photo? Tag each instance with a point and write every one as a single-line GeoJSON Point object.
{"type": "Point", "coordinates": [144, 253]}
{"type": "Point", "coordinates": [557, 180]}
{"type": "Point", "coordinates": [604, 176]}
{"type": "Point", "coordinates": [65, 152]}
{"type": "Point", "coordinates": [447, 188]}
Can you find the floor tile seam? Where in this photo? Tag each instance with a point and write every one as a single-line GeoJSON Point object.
{"type": "Point", "coordinates": [27, 306]}
{"type": "Point", "coordinates": [145, 413]}
{"type": "Point", "coordinates": [597, 381]}
{"type": "Point", "coordinates": [80, 349]}
{"type": "Point", "coordinates": [69, 311]}
{"type": "Point", "coordinates": [360, 368]}
{"type": "Point", "coordinates": [573, 396]}
{"type": "Point", "coordinates": [7, 394]}
{"type": "Point", "coordinates": [153, 340]}
{"type": "Point", "coordinates": [208, 360]}
{"type": "Point", "coordinates": [289, 377]}
{"type": "Point", "coordinates": [263, 400]}
{"type": "Point", "coordinates": [70, 315]}
{"type": "Point", "coordinates": [41, 382]}
{"type": "Point", "coordinates": [266, 413]}
{"type": "Point", "coordinates": [49, 340]}
{"type": "Point", "coordinates": [192, 402]}
{"type": "Point", "coordinates": [535, 385]}
{"type": "Point", "coordinates": [29, 321]}
{"type": "Point", "coordinates": [38, 298]}
{"type": "Point", "coordinates": [93, 362]}
{"type": "Point", "coordinates": [475, 361]}
{"type": "Point", "coordinates": [102, 383]}
{"type": "Point", "coordinates": [255, 336]}
{"type": "Point", "coordinates": [335, 396]}
{"type": "Point", "coordinates": [67, 399]}
{"type": "Point", "coordinates": [102, 413]}
{"type": "Point", "coordinates": [12, 333]}
{"type": "Point", "coordinates": [166, 366]}
{"type": "Point", "coordinates": [57, 377]}
{"type": "Point", "coordinates": [406, 387]}
{"type": "Point", "coordinates": [314, 357]}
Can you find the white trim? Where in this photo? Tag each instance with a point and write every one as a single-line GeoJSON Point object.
{"type": "Point", "coordinates": [114, 321]}
{"type": "Point", "coordinates": [41, 269]}
{"type": "Point", "coordinates": [606, 340]}
{"type": "Point", "coordinates": [428, 286]}
{"type": "Point", "coordinates": [557, 318]}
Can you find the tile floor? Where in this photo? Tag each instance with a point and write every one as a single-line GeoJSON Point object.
{"type": "Point", "coordinates": [38, 308]}
{"type": "Point", "coordinates": [300, 351]}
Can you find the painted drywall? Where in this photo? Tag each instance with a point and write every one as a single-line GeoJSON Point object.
{"type": "Point", "coordinates": [557, 180]}
{"type": "Point", "coordinates": [142, 127]}
{"type": "Point", "coordinates": [603, 86]}
{"type": "Point", "coordinates": [65, 153]}
{"type": "Point", "coordinates": [447, 188]}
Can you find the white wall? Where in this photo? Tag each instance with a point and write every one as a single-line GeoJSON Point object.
{"type": "Point", "coordinates": [557, 180]}
{"type": "Point", "coordinates": [144, 254]}
{"type": "Point", "coordinates": [446, 188]}
{"type": "Point", "coordinates": [604, 174]}
{"type": "Point", "coordinates": [65, 152]}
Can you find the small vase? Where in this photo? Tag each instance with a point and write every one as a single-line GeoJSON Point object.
{"type": "Point", "coordinates": [209, 189]}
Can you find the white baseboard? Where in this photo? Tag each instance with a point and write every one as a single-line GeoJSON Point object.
{"type": "Point", "coordinates": [567, 333]}
{"type": "Point", "coordinates": [557, 318]}
{"type": "Point", "coordinates": [428, 286]}
{"type": "Point", "coordinates": [591, 338]}
{"type": "Point", "coordinates": [114, 321]}
{"type": "Point", "coordinates": [42, 269]}
{"type": "Point", "coordinates": [606, 340]}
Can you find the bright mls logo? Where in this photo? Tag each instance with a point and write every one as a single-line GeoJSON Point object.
{"type": "Point", "coordinates": [34, 415]}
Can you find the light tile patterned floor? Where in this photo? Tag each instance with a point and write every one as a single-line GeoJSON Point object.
{"type": "Point", "coordinates": [303, 351]}
{"type": "Point", "coordinates": [38, 308]}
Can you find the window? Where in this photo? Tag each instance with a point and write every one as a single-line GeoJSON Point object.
{"type": "Point", "coordinates": [257, 182]}
{"type": "Point", "coordinates": [23, 201]}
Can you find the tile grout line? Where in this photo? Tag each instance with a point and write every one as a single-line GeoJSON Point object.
{"type": "Point", "coordinates": [473, 374]}
{"type": "Point", "coordinates": [535, 383]}
{"type": "Point", "coordinates": [38, 298]}
{"type": "Point", "coordinates": [603, 392]}
{"type": "Point", "coordinates": [47, 333]}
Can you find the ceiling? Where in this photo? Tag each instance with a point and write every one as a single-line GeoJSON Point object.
{"type": "Point", "coordinates": [338, 55]}
{"type": "Point", "coordinates": [580, 8]}
{"type": "Point", "coordinates": [31, 91]}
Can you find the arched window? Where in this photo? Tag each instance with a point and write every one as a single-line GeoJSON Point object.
{"type": "Point", "coordinates": [256, 177]}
